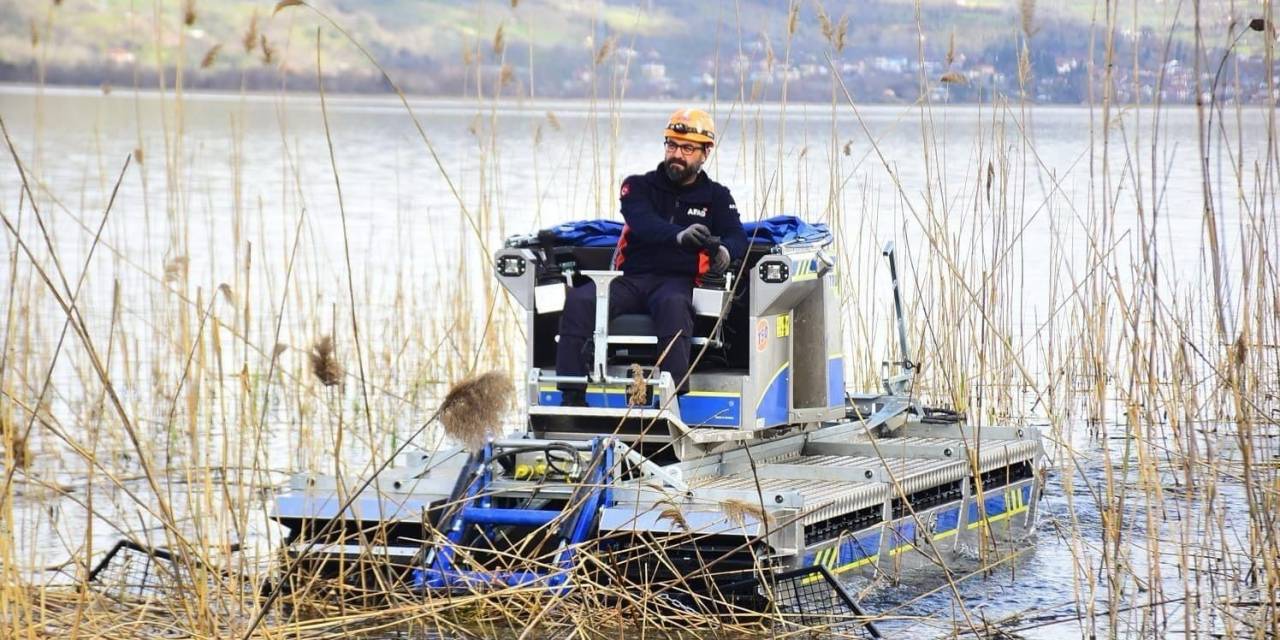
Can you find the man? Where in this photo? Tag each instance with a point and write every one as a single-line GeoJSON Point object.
{"type": "Point", "coordinates": [671, 214]}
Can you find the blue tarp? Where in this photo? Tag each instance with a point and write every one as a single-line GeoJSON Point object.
{"type": "Point", "coordinates": [765, 233]}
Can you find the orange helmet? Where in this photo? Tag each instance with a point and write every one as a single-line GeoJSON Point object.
{"type": "Point", "coordinates": [692, 125]}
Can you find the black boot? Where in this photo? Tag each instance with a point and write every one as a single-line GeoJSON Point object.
{"type": "Point", "coordinates": [573, 398]}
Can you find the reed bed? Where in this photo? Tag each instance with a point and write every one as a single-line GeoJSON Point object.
{"type": "Point", "coordinates": [156, 397]}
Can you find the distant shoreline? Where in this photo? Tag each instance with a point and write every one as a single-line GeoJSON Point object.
{"type": "Point", "coordinates": [569, 106]}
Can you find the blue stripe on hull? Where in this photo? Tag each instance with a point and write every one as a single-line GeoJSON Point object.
{"type": "Point", "coordinates": [1000, 504]}
{"type": "Point", "coordinates": [853, 552]}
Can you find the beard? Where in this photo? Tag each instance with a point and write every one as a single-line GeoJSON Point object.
{"type": "Point", "coordinates": [679, 171]}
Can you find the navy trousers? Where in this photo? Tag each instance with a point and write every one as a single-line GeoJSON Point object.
{"type": "Point", "coordinates": [667, 299]}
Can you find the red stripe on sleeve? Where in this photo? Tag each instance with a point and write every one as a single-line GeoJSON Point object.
{"type": "Point", "coordinates": [618, 254]}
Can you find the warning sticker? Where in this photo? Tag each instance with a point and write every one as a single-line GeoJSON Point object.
{"type": "Point", "coordinates": [784, 325]}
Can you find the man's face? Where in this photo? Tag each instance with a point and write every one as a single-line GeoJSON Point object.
{"type": "Point", "coordinates": [684, 159]}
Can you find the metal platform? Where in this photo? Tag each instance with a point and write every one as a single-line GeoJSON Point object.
{"type": "Point", "coordinates": [830, 485]}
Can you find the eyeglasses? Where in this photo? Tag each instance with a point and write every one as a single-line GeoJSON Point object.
{"type": "Point", "coordinates": [684, 149]}
{"type": "Point", "coordinates": [683, 128]}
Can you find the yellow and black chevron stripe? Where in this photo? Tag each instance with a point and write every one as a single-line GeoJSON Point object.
{"type": "Point", "coordinates": [830, 558]}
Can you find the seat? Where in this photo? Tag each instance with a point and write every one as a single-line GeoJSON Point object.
{"type": "Point", "coordinates": [639, 328]}
{"type": "Point", "coordinates": [632, 336]}
{"type": "Point", "coordinates": [633, 328]}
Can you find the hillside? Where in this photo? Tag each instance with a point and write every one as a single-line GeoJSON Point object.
{"type": "Point", "coordinates": [574, 48]}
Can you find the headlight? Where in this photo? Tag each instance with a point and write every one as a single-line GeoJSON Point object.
{"type": "Point", "coordinates": [774, 272]}
{"type": "Point", "coordinates": [510, 266]}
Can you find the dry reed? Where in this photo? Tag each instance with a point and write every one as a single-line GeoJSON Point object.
{"type": "Point", "coordinates": [324, 362]}
{"type": "Point", "coordinates": [638, 389]}
{"type": "Point", "coordinates": [738, 511]}
{"type": "Point", "coordinates": [473, 409]}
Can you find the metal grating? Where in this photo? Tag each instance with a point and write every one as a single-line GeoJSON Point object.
{"type": "Point", "coordinates": [811, 599]}
{"type": "Point", "coordinates": [130, 570]}
{"type": "Point", "coordinates": [822, 499]}
{"type": "Point", "coordinates": [134, 571]}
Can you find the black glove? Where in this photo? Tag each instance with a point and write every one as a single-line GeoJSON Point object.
{"type": "Point", "coordinates": [720, 261]}
{"type": "Point", "coordinates": [694, 236]}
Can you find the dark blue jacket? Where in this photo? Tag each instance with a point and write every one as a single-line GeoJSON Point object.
{"type": "Point", "coordinates": [656, 209]}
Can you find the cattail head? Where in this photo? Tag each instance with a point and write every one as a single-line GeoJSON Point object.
{"type": "Point", "coordinates": [251, 34]}
{"type": "Point", "coordinates": [1028, 10]}
{"type": "Point", "coordinates": [268, 53]}
{"type": "Point", "coordinates": [286, 3]}
{"type": "Point", "coordinates": [499, 41]}
{"type": "Point", "coordinates": [324, 363]}
{"type": "Point", "coordinates": [991, 176]}
{"type": "Point", "coordinates": [473, 409]}
{"type": "Point", "coordinates": [210, 56]}
{"type": "Point", "coordinates": [189, 12]}
{"type": "Point", "coordinates": [604, 51]}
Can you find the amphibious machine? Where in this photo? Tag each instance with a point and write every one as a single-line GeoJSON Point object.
{"type": "Point", "coordinates": [768, 464]}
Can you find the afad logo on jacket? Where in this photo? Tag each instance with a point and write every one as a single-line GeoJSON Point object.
{"type": "Point", "coordinates": [695, 212]}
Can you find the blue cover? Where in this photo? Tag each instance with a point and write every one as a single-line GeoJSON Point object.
{"type": "Point", "coordinates": [765, 233]}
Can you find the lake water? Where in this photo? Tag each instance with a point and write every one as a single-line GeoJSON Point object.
{"type": "Point", "coordinates": [241, 191]}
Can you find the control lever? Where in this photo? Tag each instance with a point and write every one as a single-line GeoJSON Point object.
{"type": "Point", "coordinates": [901, 383]}
{"type": "Point", "coordinates": [713, 279]}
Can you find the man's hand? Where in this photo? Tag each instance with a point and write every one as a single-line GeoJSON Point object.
{"type": "Point", "coordinates": [694, 236]}
{"type": "Point", "coordinates": [720, 262]}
